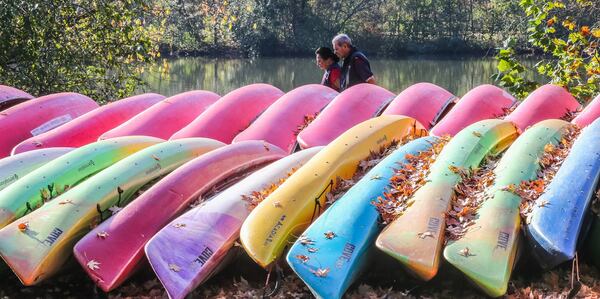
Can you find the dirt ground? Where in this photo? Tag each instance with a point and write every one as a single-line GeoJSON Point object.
{"type": "Point", "coordinates": [385, 279]}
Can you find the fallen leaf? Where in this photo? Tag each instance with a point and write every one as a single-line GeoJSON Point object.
{"type": "Point", "coordinates": [174, 268]}
{"type": "Point", "coordinates": [102, 235]}
{"type": "Point", "coordinates": [93, 265]}
{"type": "Point", "coordinates": [320, 272]}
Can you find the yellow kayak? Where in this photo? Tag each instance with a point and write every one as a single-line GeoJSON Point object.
{"type": "Point", "coordinates": [282, 216]}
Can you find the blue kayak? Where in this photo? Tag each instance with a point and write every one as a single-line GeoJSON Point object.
{"type": "Point", "coordinates": [560, 213]}
{"type": "Point", "coordinates": [329, 265]}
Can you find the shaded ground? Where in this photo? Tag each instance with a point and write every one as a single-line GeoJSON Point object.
{"type": "Point", "coordinates": [243, 279]}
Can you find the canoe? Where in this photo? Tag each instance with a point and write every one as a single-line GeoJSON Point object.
{"type": "Point", "coordinates": [403, 238]}
{"type": "Point", "coordinates": [354, 220]}
{"type": "Point", "coordinates": [351, 107]}
{"type": "Point", "coordinates": [589, 114]}
{"type": "Point", "coordinates": [46, 182]}
{"type": "Point", "coordinates": [40, 115]}
{"type": "Point", "coordinates": [492, 246]}
{"type": "Point", "coordinates": [121, 253]}
{"type": "Point", "coordinates": [232, 114]}
{"type": "Point", "coordinates": [88, 127]}
{"type": "Point", "coordinates": [166, 117]}
{"type": "Point", "coordinates": [198, 242]}
{"type": "Point", "coordinates": [412, 100]}
{"type": "Point", "coordinates": [291, 208]}
{"type": "Point", "coordinates": [562, 102]}
{"type": "Point", "coordinates": [15, 167]}
{"type": "Point", "coordinates": [559, 214]}
{"type": "Point", "coordinates": [482, 102]}
{"type": "Point", "coordinates": [10, 96]}
{"type": "Point", "coordinates": [38, 245]}
{"type": "Point", "coordinates": [279, 124]}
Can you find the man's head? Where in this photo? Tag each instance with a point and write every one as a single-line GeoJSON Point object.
{"type": "Point", "coordinates": [342, 45]}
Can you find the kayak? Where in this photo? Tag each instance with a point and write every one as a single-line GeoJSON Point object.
{"type": "Point", "coordinates": [166, 117]}
{"type": "Point", "coordinates": [122, 252]}
{"type": "Point", "coordinates": [58, 176]}
{"type": "Point", "coordinates": [416, 237]}
{"type": "Point", "coordinates": [232, 114]}
{"type": "Point", "coordinates": [279, 124]}
{"type": "Point", "coordinates": [291, 208]}
{"type": "Point", "coordinates": [482, 102]}
{"type": "Point", "coordinates": [10, 96]}
{"type": "Point", "coordinates": [88, 127]}
{"type": "Point", "coordinates": [40, 115]}
{"type": "Point", "coordinates": [197, 243]}
{"type": "Point", "coordinates": [39, 244]}
{"type": "Point", "coordinates": [589, 114]}
{"type": "Point", "coordinates": [560, 214]}
{"type": "Point", "coordinates": [351, 107]}
{"type": "Point", "coordinates": [548, 101]}
{"type": "Point", "coordinates": [15, 167]}
{"type": "Point", "coordinates": [492, 246]}
{"type": "Point", "coordinates": [425, 102]}
{"type": "Point", "coordinates": [354, 221]}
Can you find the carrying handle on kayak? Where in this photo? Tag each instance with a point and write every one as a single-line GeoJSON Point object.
{"type": "Point", "coordinates": [278, 281]}
{"type": "Point", "coordinates": [99, 209]}
{"type": "Point", "coordinates": [318, 203]}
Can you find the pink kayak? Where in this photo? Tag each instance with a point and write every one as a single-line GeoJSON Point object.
{"type": "Point", "coordinates": [166, 117]}
{"type": "Point", "coordinates": [424, 102]}
{"type": "Point", "coordinates": [121, 250]}
{"type": "Point", "coordinates": [589, 114]}
{"type": "Point", "coordinates": [354, 105]}
{"type": "Point", "coordinates": [40, 115]}
{"type": "Point", "coordinates": [10, 96]}
{"type": "Point", "coordinates": [482, 102]}
{"type": "Point", "coordinates": [548, 101]}
{"type": "Point", "coordinates": [88, 127]}
{"type": "Point", "coordinates": [279, 124]}
{"type": "Point", "coordinates": [232, 114]}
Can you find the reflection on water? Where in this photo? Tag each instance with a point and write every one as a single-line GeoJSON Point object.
{"type": "Point", "coordinates": [224, 75]}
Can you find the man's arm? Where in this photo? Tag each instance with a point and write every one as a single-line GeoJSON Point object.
{"type": "Point", "coordinates": [371, 80]}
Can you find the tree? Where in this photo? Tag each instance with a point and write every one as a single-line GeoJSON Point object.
{"type": "Point", "coordinates": [571, 58]}
{"type": "Point", "coordinates": [94, 47]}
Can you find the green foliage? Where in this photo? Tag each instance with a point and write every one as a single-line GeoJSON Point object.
{"type": "Point", "coordinates": [570, 51]}
{"type": "Point", "coordinates": [94, 47]}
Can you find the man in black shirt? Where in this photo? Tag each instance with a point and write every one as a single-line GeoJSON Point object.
{"type": "Point", "coordinates": [355, 68]}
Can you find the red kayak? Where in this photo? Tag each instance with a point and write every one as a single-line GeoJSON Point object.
{"type": "Point", "coordinates": [166, 117]}
{"type": "Point", "coordinates": [538, 101]}
{"type": "Point", "coordinates": [232, 114]}
{"type": "Point", "coordinates": [425, 102]}
{"type": "Point", "coordinates": [10, 96]}
{"type": "Point", "coordinates": [88, 127]}
{"type": "Point", "coordinates": [589, 114]}
{"type": "Point", "coordinates": [40, 115]}
{"type": "Point", "coordinates": [121, 250]}
{"type": "Point", "coordinates": [482, 102]}
{"type": "Point", "coordinates": [351, 107]}
{"type": "Point", "coordinates": [280, 123]}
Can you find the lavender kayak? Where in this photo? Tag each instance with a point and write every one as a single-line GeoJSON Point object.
{"type": "Point", "coordinates": [193, 247]}
{"type": "Point", "coordinates": [280, 123]}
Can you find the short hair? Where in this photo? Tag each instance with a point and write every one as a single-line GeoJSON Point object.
{"type": "Point", "coordinates": [341, 39]}
{"type": "Point", "coordinates": [327, 53]}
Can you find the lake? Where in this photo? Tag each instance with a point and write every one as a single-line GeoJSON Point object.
{"type": "Point", "coordinates": [172, 76]}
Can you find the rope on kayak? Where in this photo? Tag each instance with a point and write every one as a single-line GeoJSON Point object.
{"type": "Point", "coordinates": [575, 285]}
{"type": "Point", "coordinates": [318, 203]}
